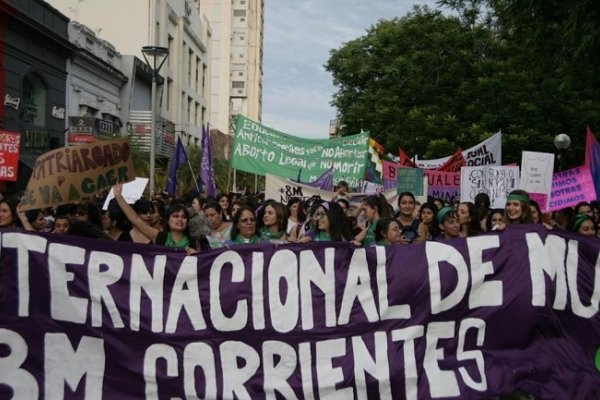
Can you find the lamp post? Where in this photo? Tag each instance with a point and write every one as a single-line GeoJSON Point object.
{"type": "Point", "coordinates": [158, 55]}
{"type": "Point", "coordinates": [562, 141]}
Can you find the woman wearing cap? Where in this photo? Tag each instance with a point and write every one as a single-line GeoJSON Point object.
{"type": "Point", "coordinates": [517, 210]}
{"type": "Point", "coordinates": [176, 230]}
{"type": "Point", "coordinates": [448, 223]}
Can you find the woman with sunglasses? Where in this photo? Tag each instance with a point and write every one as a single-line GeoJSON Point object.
{"type": "Point", "coordinates": [329, 224]}
{"type": "Point", "coordinates": [175, 233]}
{"type": "Point", "coordinates": [243, 229]}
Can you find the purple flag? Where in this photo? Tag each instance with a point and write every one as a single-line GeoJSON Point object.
{"type": "Point", "coordinates": [324, 182]}
{"type": "Point", "coordinates": [592, 158]}
{"type": "Point", "coordinates": [179, 158]}
{"type": "Point", "coordinates": [207, 172]}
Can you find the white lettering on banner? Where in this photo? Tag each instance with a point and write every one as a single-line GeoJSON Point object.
{"type": "Point", "coordinates": [63, 364]}
{"type": "Point", "coordinates": [462, 278]}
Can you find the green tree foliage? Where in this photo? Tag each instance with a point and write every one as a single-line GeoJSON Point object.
{"type": "Point", "coordinates": [430, 81]}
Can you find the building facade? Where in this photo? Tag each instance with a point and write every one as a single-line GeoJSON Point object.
{"type": "Point", "coordinates": [183, 93]}
{"type": "Point", "coordinates": [236, 60]}
{"type": "Point", "coordinates": [34, 49]}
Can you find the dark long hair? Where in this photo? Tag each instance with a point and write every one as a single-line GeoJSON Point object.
{"type": "Point", "coordinates": [236, 219]}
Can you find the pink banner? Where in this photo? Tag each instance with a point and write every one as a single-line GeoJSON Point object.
{"type": "Point", "coordinates": [443, 185]}
{"type": "Point", "coordinates": [389, 170]}
{"type": "Point", "coordinates": [571, 187]}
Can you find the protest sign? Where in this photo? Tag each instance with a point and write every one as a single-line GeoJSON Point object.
{"type": "Point", "coordinates": [488, 152]}
{"type": "Point", "coordinates": [281, 189]}
{"type": "Point", "coordinates": [10, 148]}
{"type": "Point", "coordinates": [260, 150]}
{"type": "Point", "coordinates": [536, 176]}
{"type": "Point", "coordinates": [68, 174]}
{"type": "Point", "coordinates": [496, 182]}
{"type": "Point", "coordinates": [443, 185]}
{"type": "Point", "coordinates": [132, 191]}
{"type": "Point", "coordinates": [410, 180]}
{"type": "Point", "coordinates": [571, 187]}
{"type": "Point", "coordinates": [389, 170]}
{"type": "Point", "coordinates": [469, 318]}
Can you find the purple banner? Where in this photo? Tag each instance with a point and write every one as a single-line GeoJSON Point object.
{"type": "Point", "coordinates": [470, 318]}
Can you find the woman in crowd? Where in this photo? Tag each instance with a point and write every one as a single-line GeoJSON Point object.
{"type": "Point", "coordinates": [32, 220]}
{"type": "Point", "coordinates": [372, 209]}
{"type": "Point", "coordinates": [329, 224]}
{"type": "Point", "coordinates": [274, 224]}
{"type": "Point", "coordinates": [296, 216]}
{"type": "Point", "coordinates": [156, 214]}
{"type": "Point", "coordinates": [536, 212]}
{"type": "Point", "coordinates": [198, 203]}
{"type": "Point", "coordinates": [583, 207]}
{"type": "Point", "coordinates": [517, 210]}
{"type": "Point", "coordinates": [8, 213]}
{"type": "Point", "coordinates": [482, 204]}
{"type": "Point", "coordinates": [388, 231]}
{"type": "Point", "coordinates": [221, 228]}
{"type": "Point", "coordinates": [61, 224]}
{"type": "Point", "coordinates": [413, 228]}
{"type": "Point", "coordinates": [235, 206]}
{"type": "Point", "coordinates": [449, 224]}
{"type": "Point", "coordinates": [427, 216]}
{"type": "Point", "coordinates": [115, 224]}
{"type": "Point", "coordinates": [243, 229]}
{"type": "Point", "coordinates": [583, 224]}
{"type": "Point", "coordinates": [144, 210]}
{"type": "Point", "coordinates": [199, 229]}
{"type": "Point", "coordinates": [224, 202]}
{"type": "Point", "coordinates": [495, 220]}
{"type": "Point", "coordinates": [470, 224]}
{"type": "Point", "coordinates": [175, 233]}
{"type": "Point", "coordinates": [87, 210]}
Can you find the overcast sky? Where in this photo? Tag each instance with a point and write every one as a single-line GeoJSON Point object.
{"type": "Point", "coordinates": [297, 91]}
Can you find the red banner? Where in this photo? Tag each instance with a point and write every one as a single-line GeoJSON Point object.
{"type": "Point", "coordinates": [10, 148]}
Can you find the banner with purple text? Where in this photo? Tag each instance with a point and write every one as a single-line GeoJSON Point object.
{"type": "Point", "coordinates": [443, 185]}
{"type": "Point", "coordinates": [470, 318]}
{"type": "Point", "coordinates": [571, 187]}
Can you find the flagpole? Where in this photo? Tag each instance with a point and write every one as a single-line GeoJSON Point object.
{"type": "Point", "coordinates": [192, 172]}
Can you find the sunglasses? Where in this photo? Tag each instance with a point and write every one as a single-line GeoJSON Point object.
{"type": "Point", "coordinates": [247, 220]}
{"type": "Point", "coordinates": [319, 215]}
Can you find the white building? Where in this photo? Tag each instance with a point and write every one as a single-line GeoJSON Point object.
{"type": "Point", "coordinates": [94, 83]}
{"type": "Point", "coordinates": [184, 101]}
{"type": "Point", "coordinates": [236, 60]}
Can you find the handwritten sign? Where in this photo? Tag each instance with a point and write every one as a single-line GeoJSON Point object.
{"type": "Point", "coordinates": [410, 180]}
{"type": "Point", "coordinates": [10, 148]}
{"type": "Point", "coordinates": [68, 174]}
{"type": "Point", "coordinates": [496, 182]}
{"type": "Point", "coordinates": [536, 176]}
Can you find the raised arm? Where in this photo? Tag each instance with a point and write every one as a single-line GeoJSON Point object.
{"type": "Point", "coordinates": [147, 230]}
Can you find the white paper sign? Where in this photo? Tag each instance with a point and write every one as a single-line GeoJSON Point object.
{"type": "Point", "coordinates": [536, 176]}
{"type": "Point", "coordinates": [132, 191]}
{"type": "Point", "coordinates": [497, 182]}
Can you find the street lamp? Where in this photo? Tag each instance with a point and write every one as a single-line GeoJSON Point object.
{"type": "Point", "coordinates": [562, 141]}
{"type": "Point", "coordinates": [158, 55]}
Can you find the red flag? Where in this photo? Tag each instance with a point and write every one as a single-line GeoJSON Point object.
{"type": "Point", "coordinates": [454, 163]}
{"type": "Point", "coordinates": [405, 160]}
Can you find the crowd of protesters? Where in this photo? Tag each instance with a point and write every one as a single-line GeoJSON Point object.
{"type": "Point", "coordinates": [197, 223]}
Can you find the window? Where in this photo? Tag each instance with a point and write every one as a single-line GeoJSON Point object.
{"type": "Point", "coordinates": [238, 84]}
{"type": "Point", "coordinates": [34, 100]}
{"type": "Point", "coordinates": [239, 13]}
